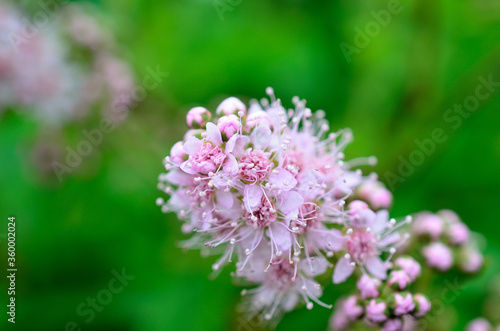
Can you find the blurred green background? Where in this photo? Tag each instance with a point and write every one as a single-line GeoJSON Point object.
{"type": "Point", "coordinates": [103, 217]}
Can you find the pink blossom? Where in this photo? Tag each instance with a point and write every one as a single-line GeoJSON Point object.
{"type": "Point", "coordinates": [393, 324]}
{"type": "Point", "coordinates": [198, 117]}
{"type": "Point", "coordinates": [471, 260]}
{"type": "Point", "coordinates": [479, 324]}
{"type": "Point", "coordinates": [449, 216]}
{"type": "Point", "coordinates": [339, 320]}
{"type": "Point", "coordinates": [398, 279]}
{"type": "Point", "coordinates": [272, 198]}
{"type": "Point", "coordinates": [376, 311]}
{"type": "Point", "coordinates": [375, 193]}
{"type": "Point", "coordinates": [177, 153]}
{"type": "Point", "coordinates": [229, 125]}
{"type": "Point", "coordinates": [254, 166]}
{"type": "Point", "coordinates": [231, 106]}
{"type": "Point", "coordinates": [458, 233]}
{"type": "Point", "coordinates": [204, 158]}
{"type": "Point", "coordinates": [364, 245]}
{"type": "Point", "coordinates": [402, 303]}
{"type": "Point", "coordinates": [428, 224]}
{"type": "Point", "coordinates": [381, 198]}
{"type": "Point", "coordinates": [360, 214]}
{"type": "Point", "coordinates": [352, 308]}
{"type": "Point", "coordinates": [410, 266]}
{"type": "Point", "coordinates": [368, 287]}
{"type": "Point", "coordinates": [282, 285]}
{"type": "Point", "coordinates": [422, 305]}
{"type": "Point", "coordinates": [438, 255]}
{"type": "Point", "coordinates": [258, 117]}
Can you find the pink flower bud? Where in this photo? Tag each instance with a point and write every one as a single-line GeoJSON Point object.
{"type": "Point", "coordinates": [471, 261]}
{"type": "Point", "coordinates": [428, 224]}
{"type": "Point", "coordinates": [258, 117]}
{"type": "Point", "coordinates": [177, 153]}
{"type": "Point", "coordinates": [375, 311]}
{"type": "Point", "coordinates": [368, 287]}
{"type": "Point", "coordinates": [194, 133]}
{"type": "Point", "coordinates": [449, 216]}
{"type": "Point", "coordinates": [360, 214]}
{"type": "Point", "coordinates": [339, 320]}
{"type": "Point", "coordinates": [410, 266]}
{"type": "Point", "coordinates": [479, 324]}
{"type": "Point", "coordinates": [352, 308]}
{"type": "Point", "coordinates": [438, 255]}
{"type": "Point", "coordinates": [198, 117]}
{"type": "Point", "coordinates": [394, 324]}
{"type": "Point", "coordinates": [231, 106]}
{"type": "Point", "coordinates": [357, 206]}
{"type": "Point", "coordinates": [228, 125]}
{"type": "Point", "coordinates": [375, 193]}
{"type": "Point", "coordinates": [422, 305]}
{"type": "Point", "coordinates": [398, 279]}
{"type": "Point", "coordinates": [381, 198]}
{"type": "Point", "coordinates": [458, 233]}
{"type": "Point", "coordinates": [402, 303]}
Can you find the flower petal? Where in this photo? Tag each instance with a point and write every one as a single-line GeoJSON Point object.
{"type": "Point", "coordinates": [187, 169]}
{"type": "Point", "coordinates": [224, 199]}
{"type": "Point", "coordinates": [343, 269]}
{"type": "Point", "coordinates": [380, 222]}
{"type": "Point", "coordinates": [213, 134]}
{"type": "Point", "coordinates": [290, 301]}
{"type": "Point", "coordinates": [319, 266]}
{"type": "Point", "coordinates": [291, 201]}
{"type": "Point", "coordinates": [230, 165]}
{"type": "Point", "coordinates": [231, 143]}
{"type": "Point", "coordinates": [282, 179]}
{"type": "Point", "coordinates": [261, 136]}
{"type": "Point", "coordinates": [389, 240]}
{"type": "Point", "coordinates": [376, 267]}
{"type": "Point", "coordinates": [252, 197]}
{"type": "Point", "coordinates": [178, 177]}
{"type": "Point", "coordinates": [280, 235]}
{"type": "Point", "coordinates": [192, 145]}
{"type": "Point", "coordinates": [334, 240]}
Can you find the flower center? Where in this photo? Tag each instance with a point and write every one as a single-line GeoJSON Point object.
{"type": "Point", "coordinates": [308, 217]}
{"type": "Point", "coordinates": [208, 159]}
{"type": "Point", "coordinates": [361, 245]}
{"type": "Point", "coordinates": [254, 166]}
{"type": "Point", "coordinates": [261, 217]}
{"type": "Point", "coordinates": [200, 193]}
{"type": "Point", "coordinates": [282, 273]}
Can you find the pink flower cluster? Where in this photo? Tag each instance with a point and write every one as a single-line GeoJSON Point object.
{"type": "Point", "coordinates": [40, 74]}
{"type": "Point", "coordinates": [270, 189]}
{"type": "Point", "coordinates": [449, 242]}
{"type": "Point", "coordinates": [481, 324]}
{"type": "Point", "coordinates": [385, 303]}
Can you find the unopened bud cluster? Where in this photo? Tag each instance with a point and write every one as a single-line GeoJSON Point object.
{"type": "Point", "coordinates": [383, 303]}
{"type": "Point", "coordinates": [448, 242]}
